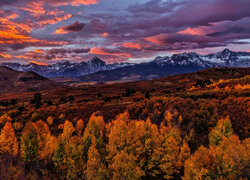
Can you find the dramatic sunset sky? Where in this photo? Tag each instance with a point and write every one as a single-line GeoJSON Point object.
{"type": "Point", "coordinates": [48, 31]}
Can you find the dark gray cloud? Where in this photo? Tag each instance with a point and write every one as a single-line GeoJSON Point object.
{"type": "Point", "coordinates": [76, 26]}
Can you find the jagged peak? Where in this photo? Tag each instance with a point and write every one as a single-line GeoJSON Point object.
{"type": "Point", "coordinates": [226, 51]}
{"type": "Point", "coordinates": [96, 60]}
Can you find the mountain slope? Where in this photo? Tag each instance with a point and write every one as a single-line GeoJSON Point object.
{"type": "Point", "coordinates": [12, 81]}
{"type": "Point", "coordinates": [139, 72]}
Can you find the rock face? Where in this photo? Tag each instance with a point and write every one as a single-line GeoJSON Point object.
{"type": "Point", "coordinates": [12, 81]}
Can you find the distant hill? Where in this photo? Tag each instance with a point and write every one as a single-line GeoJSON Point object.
{"type": "Point", "coordinates": [139, 72]}
{"type": "Point", "coordinates": [12, 81]}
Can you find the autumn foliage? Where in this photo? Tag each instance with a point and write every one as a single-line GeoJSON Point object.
{"type": "Point", "coordinates": [127, 149]}
{"type": "Point", "coordinates": [131, 133]}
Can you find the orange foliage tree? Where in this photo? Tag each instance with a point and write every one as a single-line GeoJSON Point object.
{"type": "Point", "coordinates": [227, 157]}
{"type": "Point", "coordinates": [8, 140]}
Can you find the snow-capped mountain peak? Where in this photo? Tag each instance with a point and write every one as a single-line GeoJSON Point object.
{"type": "Point", "coordinates": [96, 61]}
{"type": "Point", "coordinates": [67, 68]}
{"type": "Point", "coordinates": [225, 58]}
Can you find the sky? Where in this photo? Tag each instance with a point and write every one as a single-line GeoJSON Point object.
{"type": "Point", "coordinates": [49, 31]}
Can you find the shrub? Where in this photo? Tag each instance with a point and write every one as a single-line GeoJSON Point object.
{"type": "Point", "coordinates": [50, 120]}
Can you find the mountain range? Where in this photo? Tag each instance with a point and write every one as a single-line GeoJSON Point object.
{"type": "Point", "coordinates": [97, 70]}
{"type": "Point", "coordinates": [66, 68]}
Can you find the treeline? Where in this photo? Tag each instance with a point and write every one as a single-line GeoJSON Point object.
{"type": "Point", "coordinates": [123, 148]}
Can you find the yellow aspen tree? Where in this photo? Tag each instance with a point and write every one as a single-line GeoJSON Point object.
{"type": "Point", "coordinates": [95, 168]}
{"type": "Point", "coordinates": [68, 130]}
{"type": "Point", "coordinates": [95, 128]}
{"type": "Point", "coordinates": [223, 128]}
{"type": "Point", "coordinates": [124, 167]}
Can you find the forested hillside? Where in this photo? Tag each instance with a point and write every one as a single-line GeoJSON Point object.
{"type": "Point", "coordinates": [189, 126]}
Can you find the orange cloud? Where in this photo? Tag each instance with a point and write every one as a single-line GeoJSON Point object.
{"type": "Point", "coordinates": [77, 2]}
{"type": "Point", "coordinates": [19, 33]}
{"type": "Point", "coordinates": [132, 45]}
{"type": "Point", "coordinates": [60, 31]}
{"type": "Point", "coordinates": [35, 8]}
{"type": "Point", "coordinates": [12, 32]}
{"type": "Point", "coordinates": [157, 39]}
{"type": "Point", "coordinates": [39, 63]}
{"type": "Point", "coordinates": [13, 16]}
{"type": "Point", "coordinates": [106, 51]}
{"type": "Point", "coordinates": [54, 20]}
{"type": "Point", "coordinates": [44, 16]}
{"type": "Point", "coordinates": [5, 55]}
{"type": "Point", "coordinates": [39, 51]}
{"type": "Point", "coordinates": [194, 31]}
{"type": "Point", "coordinates": [104, 34]}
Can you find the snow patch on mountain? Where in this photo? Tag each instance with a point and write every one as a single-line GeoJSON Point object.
{"type": "Point", "coordinates": [225, 58]}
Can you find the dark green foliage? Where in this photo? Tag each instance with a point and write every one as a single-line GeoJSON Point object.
{"type": "Point", "coordinates": [13, 102]}
{"type": "Point", "coordinates": [63, 100]}
{"type": "Point", "coordinates": [202, 84]}
{"type": "Point", "coordinates": [4, 103]}
{"type": "Point", "coordinates": [37, 100]}
{"type": "Point", "coordinates": [49, 103]}
{"type": "Point", "coordinates": [99, 95]}
{"type": "Point", "coordinates": [200, 119]}
{"type": "Point", "coordinates": [71, 98]}
{"type": "Point", "coordinates": [147, 95]}
{"type": "Point", "coordinates": [107, 99]}
{"type": "Point", "coordinates": [59, 154]}
{"type": "Point", "coordinates": [21, 108]}
{"type": "Point", "coordinates": [129, 92]}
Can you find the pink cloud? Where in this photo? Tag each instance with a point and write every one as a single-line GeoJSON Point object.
{"type": "Point", "coordinates": [157, 39]}
{"type": "Point", "coordinates": [132, 45]}
{"type": "Point", "coordinates": [107, 51]}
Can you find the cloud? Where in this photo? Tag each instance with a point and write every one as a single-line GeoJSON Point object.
{"type": "Point", "coordinates": [39, 63]}
{"type": "Point", "coordinates": [104, 34]}
{"type": "Point", "coordinates": [52, 2]}
{"type": "Point", "coordinates": [132, 45]}
{"type": "Point", "coordinates": [108, 51]}
{"type": "Point", "coordinates": [75, 27]}
{"type": "Point", "coordinates": [74, 2]}
{"type": "Point", "coordinates": [63, 50]}
{"type": "Point", "coordinates": [4, 55]}
{"type": "Point", "coordinates": [119, 30]}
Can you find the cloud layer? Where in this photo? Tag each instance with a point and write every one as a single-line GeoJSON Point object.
{"type": "Point", "coordinates": [49, 31]}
